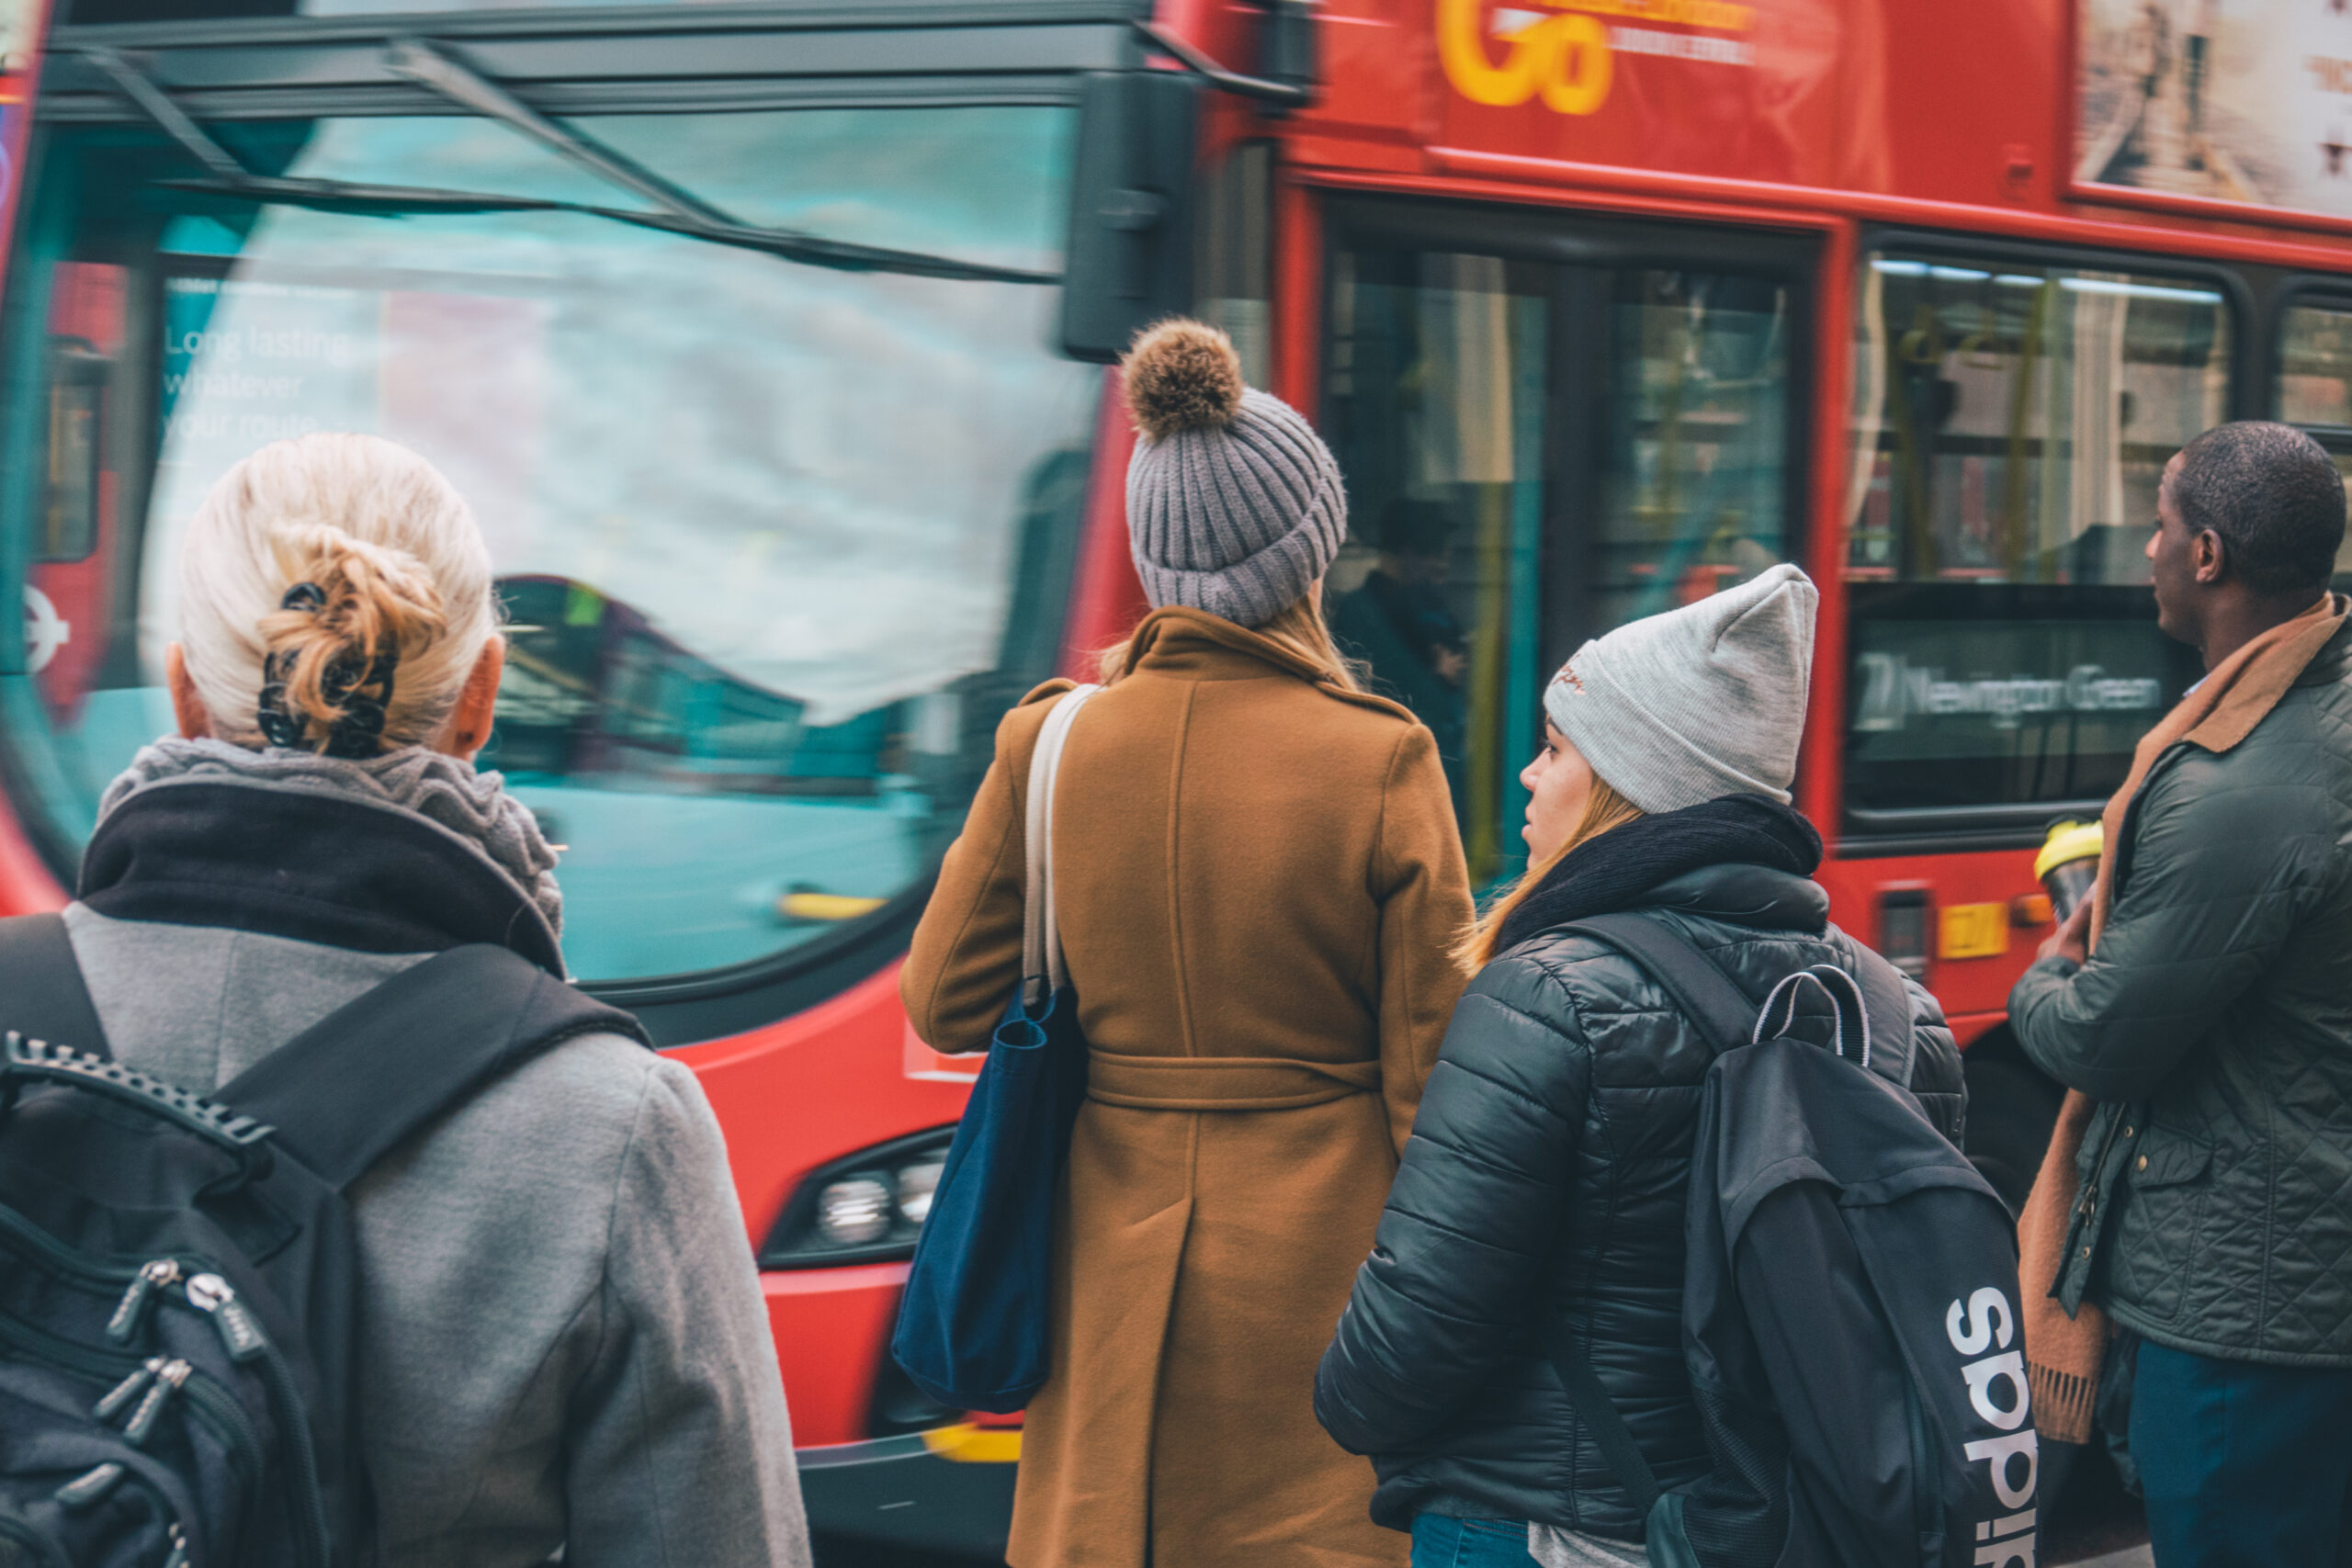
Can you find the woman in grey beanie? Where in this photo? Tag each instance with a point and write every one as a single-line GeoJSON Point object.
{"type": "Point", "coordinates": [1541, 1201]}
{"type": "Point", "coordinates": [1257, 878]}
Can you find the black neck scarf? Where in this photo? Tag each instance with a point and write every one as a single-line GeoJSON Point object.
{"type": "Point", "coordinates": [309, 866]}
{"type": "Point", "coordinates": [1610, 873]}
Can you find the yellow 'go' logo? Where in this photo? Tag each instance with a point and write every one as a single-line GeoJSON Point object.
{"type": "Point", "coordinates": [1564, 57]}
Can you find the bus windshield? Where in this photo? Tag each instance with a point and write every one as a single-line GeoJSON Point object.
{"type": "Point", "coordinates": [2011, 423]}
{"type": "Point", "coordinates": [773, 539]}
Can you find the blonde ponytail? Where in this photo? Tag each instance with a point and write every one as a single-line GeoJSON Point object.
{"type": "Point", "coordinates": [335, 594]}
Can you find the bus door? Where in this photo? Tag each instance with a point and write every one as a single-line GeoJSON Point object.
{"type": "Point", "coordinates": [1551, 424]}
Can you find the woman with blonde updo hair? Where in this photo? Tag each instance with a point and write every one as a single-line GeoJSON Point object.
{"type": "Point", "coordinates": [561, 1341]}
{"type": "Point", "coordinates": [398, 567]}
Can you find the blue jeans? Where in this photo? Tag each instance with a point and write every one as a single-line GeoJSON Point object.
{"type": "Point", "coordinates": [2244, 1465]}
{"type": "Point", "coordinates": [1443, 1542]}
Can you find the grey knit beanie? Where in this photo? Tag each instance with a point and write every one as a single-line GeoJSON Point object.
{"type": "Point", "coordinates": [1701, 702]}
{"type": "Point", "coordinates": [1233, 504]}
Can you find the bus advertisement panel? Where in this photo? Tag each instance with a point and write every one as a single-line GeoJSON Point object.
{"type": "Point", "coordinates": [2221, 100]}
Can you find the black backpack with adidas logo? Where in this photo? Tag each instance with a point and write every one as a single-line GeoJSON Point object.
{"type": "Point", "coordinates": [1850, 1298]}
{"type": "Point", "coordinates": [179, 1292]}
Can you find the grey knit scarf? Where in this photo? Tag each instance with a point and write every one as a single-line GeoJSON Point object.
{"type": "Point", "coordinates": [442, 789]}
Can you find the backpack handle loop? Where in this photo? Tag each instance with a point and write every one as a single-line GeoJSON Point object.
{"type": "Point", "coordinates": [1843, 993]}
{"type": "Point", "coordinates": [38, 1060]}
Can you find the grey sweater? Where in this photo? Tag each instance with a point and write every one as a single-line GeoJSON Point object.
{"type": "Point", "coordinates": [562, 1340]}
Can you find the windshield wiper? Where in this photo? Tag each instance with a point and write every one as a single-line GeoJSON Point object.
{"type": "Point", "coordinates": [437, 71]}
{"type": "Point", "coordinates": [683, 214]}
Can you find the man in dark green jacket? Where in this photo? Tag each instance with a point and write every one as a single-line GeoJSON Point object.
{"type": "Point", "coordinates": [2215, 1026]}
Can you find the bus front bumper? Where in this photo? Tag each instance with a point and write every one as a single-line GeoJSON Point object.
{"type": "Point", "coordinates": [948, 1489]}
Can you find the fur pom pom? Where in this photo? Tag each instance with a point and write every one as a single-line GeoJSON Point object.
{"type": "Point", "coordinates": [1183, 375]}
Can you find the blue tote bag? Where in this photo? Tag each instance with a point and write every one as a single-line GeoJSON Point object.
{"type": "Point", "coordinates": [972, 1323]}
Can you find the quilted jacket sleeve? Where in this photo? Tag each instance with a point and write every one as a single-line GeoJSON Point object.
{"type": "Point", "coordinates": [2225, 859]}
{"type": "Point", "coordinates": [1475, 1215]}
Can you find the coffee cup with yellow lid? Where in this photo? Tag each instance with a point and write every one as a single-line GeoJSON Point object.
{"type": "Point", "coordinates": [2067, 866]}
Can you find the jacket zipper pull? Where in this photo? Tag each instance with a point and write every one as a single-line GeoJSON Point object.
{"type": "Point", "coordinates": [168, 1379]}
{"type": "Point", "coordinates": [240, 1333]}
{"type": "Point", "coordinates": [129, 1389]}
{"type": "Point", "coordinates": [128, 1312]}
{"type": "Point", "coordinates": [90, 1487]}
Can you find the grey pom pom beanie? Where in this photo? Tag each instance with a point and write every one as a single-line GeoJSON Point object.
{"type": "Point", "coordinates": [1234, 504]}
{"type": "Point", "coordinates": [1699, 702]}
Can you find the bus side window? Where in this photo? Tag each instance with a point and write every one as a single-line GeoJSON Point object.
{"type": "Point", "coordinates": [2011, 423]}
{"type": "Point", "coordinates": [2315, 389]}
{"type": "Point", "coordinates": [69, 512]}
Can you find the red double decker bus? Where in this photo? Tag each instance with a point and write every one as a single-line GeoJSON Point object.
{"type": "Point", "coordinates": [767, 338]}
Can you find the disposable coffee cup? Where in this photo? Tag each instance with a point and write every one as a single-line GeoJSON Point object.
{"type": "Point", "coordinates": [2067, 866]}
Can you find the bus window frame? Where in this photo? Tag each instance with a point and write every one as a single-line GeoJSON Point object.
{"type": "Point", "coordinates": [1574, 236]}
{"type": "Point", "coordinates": [246, 84]}
{"type": "Point", "coordinates": [2307, 290]}
{"type": "Point", "coordinates": [329, 59]}
{"type": "Point", "coordinates": [1864, 834]}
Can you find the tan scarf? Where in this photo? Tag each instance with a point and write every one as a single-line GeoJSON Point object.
{"type": "Point", "coordinates": [2063, 1354]}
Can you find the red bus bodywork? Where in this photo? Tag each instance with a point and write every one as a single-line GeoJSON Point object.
{"type": "Point", "coordinates": [1853, 113]}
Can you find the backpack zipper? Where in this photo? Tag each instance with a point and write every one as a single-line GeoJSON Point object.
{"type": "Point", "coordinates": [241, 1336]}
{"type": "Point", "coordinates": [240, 1333]}
{"type": "Point", "coordinates": [63, 1257]}
{"type": "Point", "coordinates": [130, 1313]}
{"type": "Point", "coordinates": [140, 1282]}
{"type": "Point", "coordinates": [88, 1491]}
{"type": "Point", "coordinates": [216, 1405]}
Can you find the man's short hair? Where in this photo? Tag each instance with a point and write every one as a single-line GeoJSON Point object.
{"type": "Point", "coordinates": [2274, 496]}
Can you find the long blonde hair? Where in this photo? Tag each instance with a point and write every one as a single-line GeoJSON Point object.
{"type": "Point", "coordinates": [395, 564]}
{"type": "Point", "coordinates": [1298, 628]}
{"type": "Point", "coordinates": [1604, 808]}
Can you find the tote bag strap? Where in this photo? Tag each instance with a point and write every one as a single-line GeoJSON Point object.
{"type": "Point", "coordinates": [1043, 971]}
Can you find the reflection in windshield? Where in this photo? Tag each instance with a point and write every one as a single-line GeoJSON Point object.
{"type": "Point", "coordinates": [760, 528]}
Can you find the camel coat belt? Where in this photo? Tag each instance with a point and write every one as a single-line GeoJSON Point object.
{"type": "Point", "coordinates": [1258, 878]}
{"type": "Point", "coordinates": [1230, 1083]}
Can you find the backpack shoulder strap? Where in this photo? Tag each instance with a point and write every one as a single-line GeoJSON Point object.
{"type": "Point", "coordinates": [343, 1093]}
{"type": "Point", "coordinates": [1721, 1013]}
{"type": "Point", "coordinates": [1607, 1428]}
{"type": "Point", "coordinates": [1727, 1020]}
{"type": "Point", "coordinates": [41, 993]}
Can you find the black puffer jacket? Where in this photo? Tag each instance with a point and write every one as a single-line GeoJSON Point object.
{"type": "Point", "coordinates": [1543, 1187]}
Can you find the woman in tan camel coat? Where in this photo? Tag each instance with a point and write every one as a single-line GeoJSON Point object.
{"type": "Point", "coordinates": [1257, 876]}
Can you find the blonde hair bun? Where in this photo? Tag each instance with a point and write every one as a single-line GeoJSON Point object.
{"type": "Point", "coordinates": [330, 655]}
{"type": "Point", "coordinates": [334, 597]}
{"type": "Point", "coordinates": [1183, 375]}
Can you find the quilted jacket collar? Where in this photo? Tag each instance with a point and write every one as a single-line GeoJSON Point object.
{"type": "Point", "coordinates": [1759, 896]}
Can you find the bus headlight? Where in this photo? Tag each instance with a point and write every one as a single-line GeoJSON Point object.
{"type": "Point", "coordinates": [864, 1208]}
{"type": "Point", "coordinates": [853, 1212]}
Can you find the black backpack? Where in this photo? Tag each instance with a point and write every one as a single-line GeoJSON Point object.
{"type": "Point", "coordinates": [178, 1295]}
{"type": "Point", "coordinates": [1850, 1302]}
